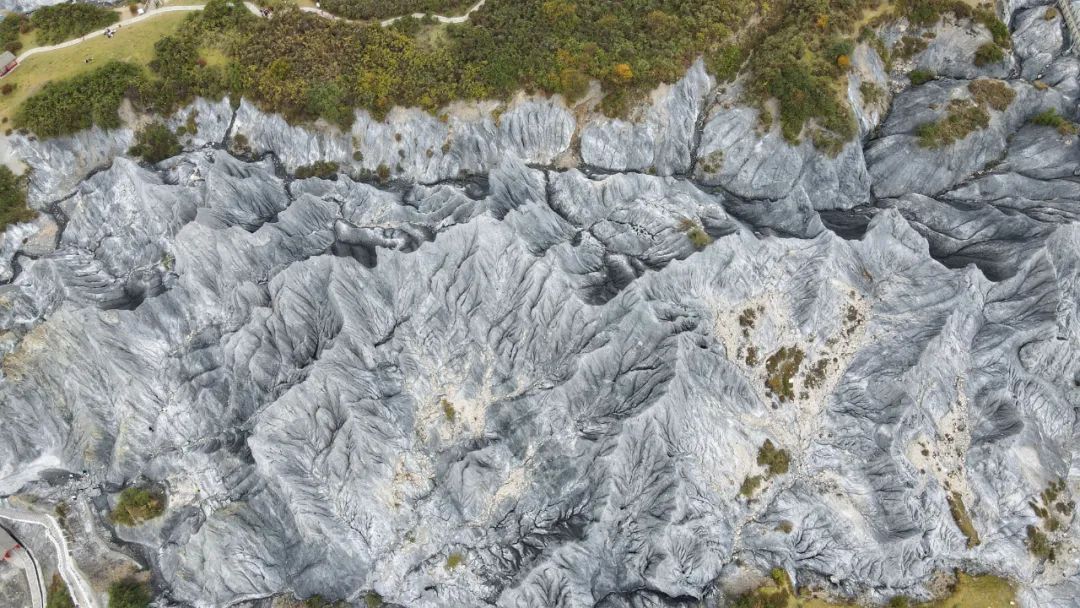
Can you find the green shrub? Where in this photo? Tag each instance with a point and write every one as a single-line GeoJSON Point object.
{"type": "Point", "coordinates": [324, 169]}
{"type": "Point", "coordinates": [750, 485]}
{"type": "Point", "coordinates": [962, 119]}
{"type": "Point", "coordinates": [137, 505]}
{"type": "Point", "coordinates": [129, 593]}
{"type": "Point", "coordinates": [1039, 544]}
{"type": "Point", "coordinates": [1050, 14]}
{"type": "Point", "coordinates": [13, 209]}
{"type": "Point", "coordinates": [963, 519]}
{"type": "Point", "coordinates": [318, 601]}
{"type": "Point", "coordinates": [775, 460]}
{"type": "Point", "coordinates": [93, 98]}
{"type": "Point", "coordinates": [58, 595]}
{"type": "Point", "coordinates": [383, 172]}
{"type": "Point", "coordinates": [60, 22]}
{"type": "Point", "coordinates": [454, 560]}
{"type": "Point", "coordinates": [154, 143]}
{"type": "Point", "coordinates": [871, 93]}
{"type": "Point", "coordinates": [919, 76]}
{"type": "Point", "coordinates": [988, 53]}
{"type": "Point", "coordinates": [781, 368]}
{"type": "Point", "coordinates": [1050, 118]}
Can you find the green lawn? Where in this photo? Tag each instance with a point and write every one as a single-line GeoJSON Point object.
{"type": "Point", "coordinates": [133, 43]}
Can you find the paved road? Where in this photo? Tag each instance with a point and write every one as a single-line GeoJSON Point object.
{"type": "Point", "coordinates": [69, 571]}
{"type": "Point", "coordinates": [22, 558]}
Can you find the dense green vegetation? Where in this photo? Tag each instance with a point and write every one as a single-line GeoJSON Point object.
{"type": "Point", "coordinates": [137, 505]}
{"type": "Point", "coordinates": [988, 53]}
{"type": "Point", "coordinates": [382, 9]}
{"type": "Point", "coordinates": [796, 52]}
{"type": "Point", "coordinates": [79, 103]}
{"type": "Point", "coordinates": [66, 21]}
{"type": "Point", "coordinates": [918, 76]}
{"type": "Point", "coordinates": [13, 207]}
{"type": "Point", "coordinates": [58, 596]}
{"type": "Point", "coordinates": [11, 26]}
{"type": "Point", "coordinates": [129, 593]}
{"type": "Point", "coordinates": [154, 143]}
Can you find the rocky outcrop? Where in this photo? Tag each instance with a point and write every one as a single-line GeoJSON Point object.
{"type": "Point", "coordinates": [662, 141]}
{"type": "Point", "coordinates": [491, 378]}
{"type": "Point", "coordinates": [950, 52]}
{"type": "Point", "coordinates": [898, 164]}
{"type": "Point", "coordinates": [739, 156]}
{"type": "Point", "coordinates": [1037, 40]}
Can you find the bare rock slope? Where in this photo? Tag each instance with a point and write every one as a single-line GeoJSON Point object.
{"type": "Point", "coordinates": [501, 378]}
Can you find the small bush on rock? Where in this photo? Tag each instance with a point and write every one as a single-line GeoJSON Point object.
{"type": "Point", "coordinates": [154, 143]}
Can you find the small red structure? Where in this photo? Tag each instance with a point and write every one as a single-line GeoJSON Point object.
{"type": "Point", "coordinates": [8, 61]}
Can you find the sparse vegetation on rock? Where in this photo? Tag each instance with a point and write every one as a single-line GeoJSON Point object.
{"type": "Point", "coordinates": [781, 367]}
{"type": "Point", "coordinates": [137, 505]}
{"type": "Point", "coordinates": [1051, 118]}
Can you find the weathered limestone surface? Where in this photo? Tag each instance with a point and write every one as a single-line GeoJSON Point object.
{"type": "Point", "coordinates": [521, 373]}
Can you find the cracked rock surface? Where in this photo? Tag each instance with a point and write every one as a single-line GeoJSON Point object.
{"type": "Point", "coordinates": [534, 365]}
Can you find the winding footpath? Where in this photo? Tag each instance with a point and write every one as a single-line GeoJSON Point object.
{"type": "Point", "coordinates": [101, 32]}
{"type": "Point", "coordinates": [250, 6]}
{"type": "Point", "coordinates": [76, 582]}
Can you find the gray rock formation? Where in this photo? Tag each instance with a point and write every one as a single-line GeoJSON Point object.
{"type": "Point", "coordinates": [1038, 40]}
{"type": "Point", "coordinates": [898, 164]}
{"type": "Point", "coordinates": [663, 141]}
{"type": "Point", "coordinates": [492, 380]}
{"type": "Point", "coordinates": [951, 51]}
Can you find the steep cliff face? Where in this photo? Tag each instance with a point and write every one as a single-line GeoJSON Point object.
{"type": "Point", "coordinates": [534, 366]}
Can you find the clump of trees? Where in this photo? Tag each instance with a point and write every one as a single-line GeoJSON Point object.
{"type": "Point", "coordinates": [137, 505]}
{"type": "Point", "coordinates": [11, 27]}
{"type": "Point", "coordinates": [13, 209]}
{"type": "Point", "coordinates": [129, 593]}
{"type": "Point", "coordinates": [324, 169]}
{"type": "Point", "coordinates": [775, 460]}
{"type": "Point", "coordinates": [382, 9]}
{"type": "Point", "coordinates": [797, 52]}
{"type": "Point", "coordinates": [58, 595]}
{"type": "Point", "coordinates": [67, 106]}
{"type": "Point", "coordinates": [66, 21]}
{"type": "Point", "coordinates": [155, 142]}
